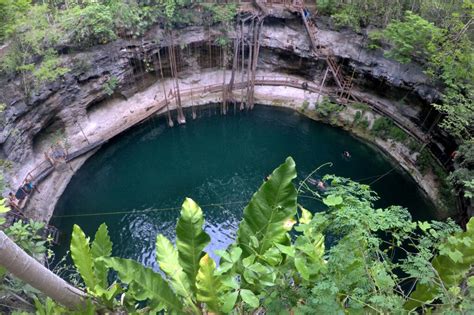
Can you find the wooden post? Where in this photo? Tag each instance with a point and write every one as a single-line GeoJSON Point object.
{"type": "Point", "coordinates": [82, 131]}
{"type": "Point", "coordinates": [324, 81]}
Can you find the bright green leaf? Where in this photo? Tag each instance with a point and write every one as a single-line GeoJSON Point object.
{"type": "Point", "coordinates": [249, 298]}
{"type": "Point", "coordinates": [191, 239]}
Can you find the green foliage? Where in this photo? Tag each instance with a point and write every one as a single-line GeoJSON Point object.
{"type": "Point", "coordinates": [28, 237]}
{"type": "Point", "coordinates": [266, 269]}
{"type": "Point", "coordinates": [110, 85]}
{"type": "Point", "coordinates": [384, 128]}
{"type": "Point", "coordinates": [167, 257]}
{"type": "Point", "coordinates": [9, 12]}
{"type": "Point", "coordinates": [209, 285]}
{"type": "Point", "coordinates": [446, 52]}
{"type": "Point", "coordinates": [347, 17]}
{"type": "Point", "coordinates": [450, 267]}
{"type": "Point", "coordinates": [49, 307]}
{"type": "Point", "coordinates": [360, 121]}
{"type": "Point", "coordinates": [415, 37]}
{"type": "Point", "coordinates": [463, 175]}
{"type": "Point", "coordinates": [89, 261]}
{"type": "Point", "coordinates": [427, 163]}
{"type": "Point", "coordinates": [458, 106]}
{"type": "Point", "coordinates": [89, 25]}
{"type": "Point", "coordinates": [221, 13]}
{"type": "Point", "coordinates": [131, 19]}
{"type": "Point", "coordinates": [305, 105]}
{"type": "Point", "coordinates": [327, 108]}
{"type": "Point", "coordinates": [144, 284]}
{"type": "Point", "coordinates": [269, 215]}
{"type": "Point", "coordinates": [3, 210]}
{"type": "Point", "coordinates": [101, 247]}
{"type": "Point", "coordinates": [82, 257]}
{"type": "Point", "coordinates": [49, 69]}
{"type": "Point", "coordinates": [191, 239]}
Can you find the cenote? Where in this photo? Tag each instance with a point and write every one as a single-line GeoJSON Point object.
{"type": "Point", "coordinates": [137, 182]}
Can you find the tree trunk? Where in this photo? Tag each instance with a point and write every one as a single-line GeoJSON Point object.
{"type": "Point", "coordinates": [26, 268]}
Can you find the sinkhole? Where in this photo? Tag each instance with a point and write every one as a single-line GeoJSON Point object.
{"type": "Point", "coordinates": [137, 182]}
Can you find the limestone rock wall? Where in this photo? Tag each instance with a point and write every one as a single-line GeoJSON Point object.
{"type": "Point", "coordinates": [30, 121]}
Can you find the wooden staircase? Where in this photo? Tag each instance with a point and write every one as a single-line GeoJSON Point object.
{"type": "Point", "coordinates": [344, 84]}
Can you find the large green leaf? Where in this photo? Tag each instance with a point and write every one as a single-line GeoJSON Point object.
{"type": "Point", "coordinates": [101, 247]}
{"type": "Point", "coordinates": [453, 263]}
{"type": "Point", "coordinates": [209, 285]}
{"type": "Point", "coordinates": [270, 210]}
{"type": "Point", "coordinates": [3, 208]}
{"type": "Point", "coordinates": [191, 239]}
{"type": "Point", "coordinates": [145, 283]}
{"type": "Point", "coordinates": [249, 298]}
{"type": "Point", "coordinates": [82, 258]}
{"type": "Point", "coordinates": [228, 301]}
{"type": "Point", "coordinates": [167, 257]}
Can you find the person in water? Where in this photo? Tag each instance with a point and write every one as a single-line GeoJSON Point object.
{"type": "Point", "coordinates": [321, 185]}
{"type": "Point", "coordinates": [346, 154]}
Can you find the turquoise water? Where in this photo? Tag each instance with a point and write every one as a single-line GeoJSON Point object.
{"type": "Point", "coordinates": [214, 160]}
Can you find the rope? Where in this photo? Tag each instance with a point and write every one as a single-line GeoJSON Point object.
{"type": "Point", "coordinates": [218, 205]}
{"type": "Point", "coordinates": [382, 176]}
{"type": "Point", "coordinates": [142, 211]}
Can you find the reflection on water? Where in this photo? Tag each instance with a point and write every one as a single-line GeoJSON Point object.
{"type": "Point", "coordinates": [142, 178]}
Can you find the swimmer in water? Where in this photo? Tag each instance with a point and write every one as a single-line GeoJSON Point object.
{"type": "Point", "coordinates": [321, 185]}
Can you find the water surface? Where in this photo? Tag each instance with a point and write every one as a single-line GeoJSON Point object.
{"type": "Point", "coordinates": [214, 160]}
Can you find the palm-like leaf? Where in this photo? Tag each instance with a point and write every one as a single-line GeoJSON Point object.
{"type": "Point", "coordinates": [191, 239]}
{"type": "Point", "coordinates": [209, 285]}
{"type": "Point", "coordinates": [145, 283]}
{"type": "Point", "coordinates": [267, 216]}
{"type": "Point", "coordinates": [101, 247]}
{"type": "Point", "coordinates": [82, 257]}
{"type": "Point", "coordinates": [167, 257]}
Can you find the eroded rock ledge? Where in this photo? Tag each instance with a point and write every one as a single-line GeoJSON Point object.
{"type": "Point", "coordinates": [77, 100]}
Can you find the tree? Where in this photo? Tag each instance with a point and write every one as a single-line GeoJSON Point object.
{"type": "Point", "coordinates": [414, 38]}
{"type": "Point", "coordinates": [9, 11]}
{"type": "Point", "coordinates": [23, 266]}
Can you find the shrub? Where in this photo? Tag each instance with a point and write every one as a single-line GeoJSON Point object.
{"type": "Point", "coordinates": [384, 128]}
{"type": "Point", "coordinates": [326, 108]}
{"type": "Point", "coordinates": [463, 175]}
{"type": "Point", "coordinates": [360, 121]}
{"type": "Point", "coordinates": [110, 86]}
{"type": "Point", "coordinates": [131, 19]}
{"type": "Point", "coordinates": [50, 69]}
{"type": "Point", "coordinates": [305, 105]}
{"type": "Point", "coordinates": [413, 38]}
{"type": "Point", "coordinates": [358, 116]}
{"type": "Point", "coordinates": [347, 17]}
{"type": "Point", "coordinates": [90, 25]}
{"type": "Point", "coordinates": [10, 10]}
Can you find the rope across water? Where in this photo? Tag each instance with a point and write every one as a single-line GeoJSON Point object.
{"type": "Point", "coordinates": [377, 178]}
{"type": "Point", "coordinates": [144, 211]}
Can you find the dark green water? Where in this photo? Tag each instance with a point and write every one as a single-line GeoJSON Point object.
{"type": "Point", "coordinates": [214, 159]}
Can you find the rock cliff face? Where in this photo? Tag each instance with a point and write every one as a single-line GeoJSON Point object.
{"type": "Point", "coordinates": [31, 122]}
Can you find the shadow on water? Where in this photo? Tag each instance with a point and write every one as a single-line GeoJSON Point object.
{"type": "Point", "coordinates": [137, 182]}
